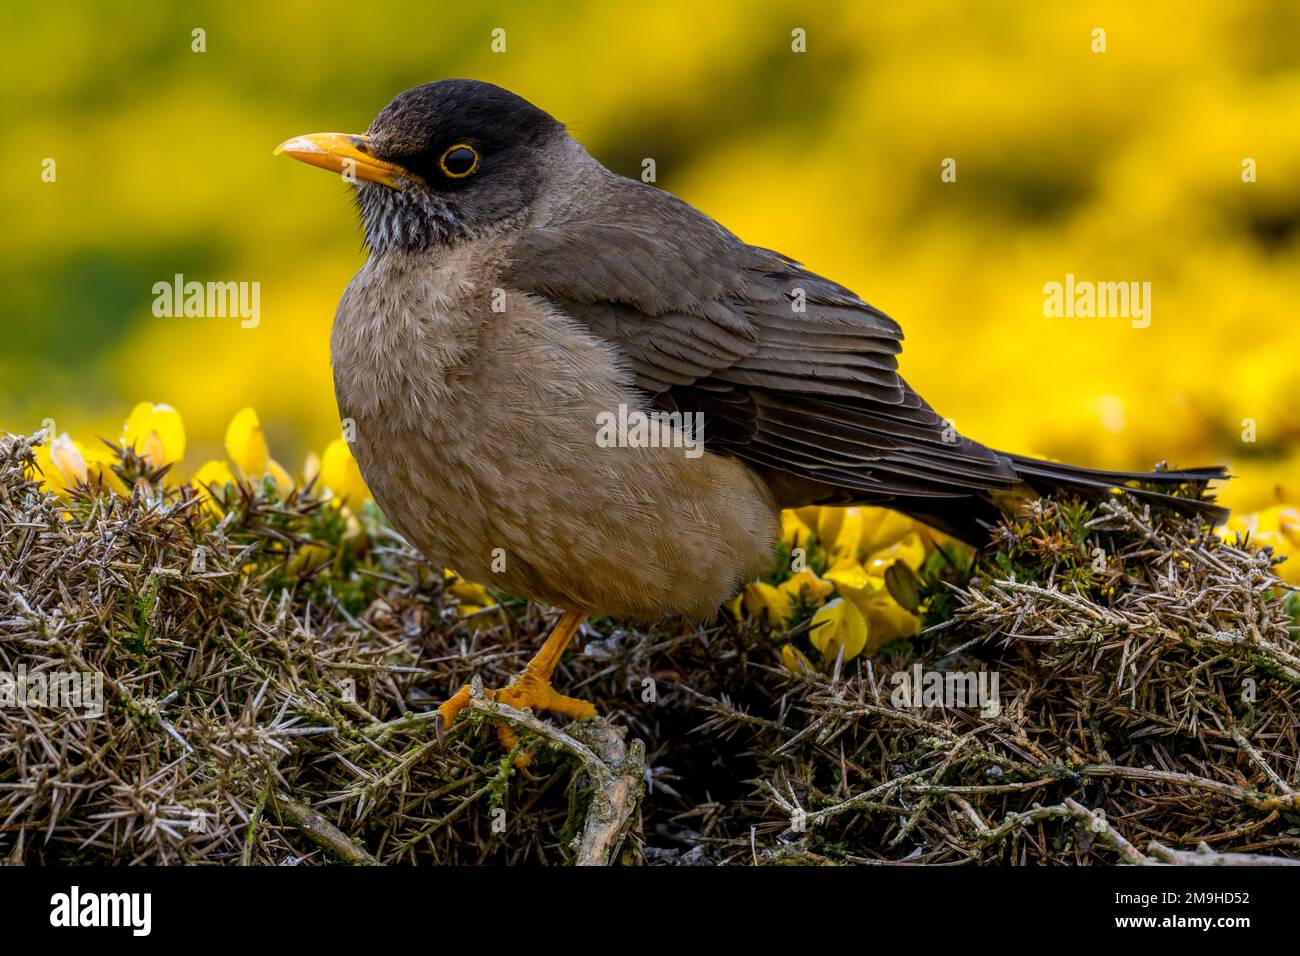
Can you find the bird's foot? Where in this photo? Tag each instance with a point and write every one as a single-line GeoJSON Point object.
{"type": "Point", "coordinates": [526, 691]}
{"type": "Point", "coordinates": [450, 708]}
{"type": "Point", "coordinates": [531, 689]}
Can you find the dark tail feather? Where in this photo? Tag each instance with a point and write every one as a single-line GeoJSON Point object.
{"type": "Point", "coordinates": [973, 518]}
{"type": "Point", "coordinates": [1048, 477]}
{"type": "Point", "coordinates": [968, 518]}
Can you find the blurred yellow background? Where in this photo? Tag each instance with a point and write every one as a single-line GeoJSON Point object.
{"type": "Point", "coordinates": [1124, 165]}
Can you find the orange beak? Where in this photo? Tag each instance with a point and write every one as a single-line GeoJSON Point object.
{"type": "Point", "coordinates": [345, 154]}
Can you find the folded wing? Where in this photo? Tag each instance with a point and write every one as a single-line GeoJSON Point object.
{"type": "Point", "coordinates": [794, 374]}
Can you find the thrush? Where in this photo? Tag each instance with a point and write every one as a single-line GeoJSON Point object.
{"type": "Point", "coordinates": [517, 293]}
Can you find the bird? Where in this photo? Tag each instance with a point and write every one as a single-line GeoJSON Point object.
{"type": "Point", "coordinates": [516, 293]}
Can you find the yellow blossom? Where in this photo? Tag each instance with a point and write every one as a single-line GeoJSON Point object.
{"type": "Point", "coordinates": [471, 599]}
{"type": "Point", "coordinates": [100, 460]}
{"type": "Point", "coordinates": [806, 586]}
{"type": "Point", "coordinates": [761, 597]}
{"type": "Point", "coordinates": [850, 577]}
{"type": "Point", "coordinates": [246, 445]}
{"type": "Point", "coordinates": [1277, 527]}
{"type": "Point", "coordinates": [734, 606]}
{"type": "Point", "coordinates": [795, 660]}
{"type": "Point", "coordinates": [793, 530]}
{"type": "Point", "coordinates": [280, 475]}
{"type": "Point", "coordinates": [156, 432]}
{"type": "Point", "coordinates": [467, 592]}
{"type": "Point", "coordinates": [64, 463]}
{"type": "Point", "coordinates": [854, 532]}
{"type": "Point", "coordinates": [828, 525]}
{"type": "Point", "coordinates": [213, 476]}
{"type": "Point", "coordinates": [1288, 570]}
{"type": "Point", "coordinates": [882, 527]}
{"type": "Point", "coordinates": [48, 476]}
{"type": "Point", "coordinates": [214, 473]}
{"type": "Point", "coordinates": [910, 550]}
{"type": "Point", "coordinates": [888, 621]}
{"type": "Point", "coordinates": [1283, 519]}
{"type": "Point", "coordinates": [61, 464]}
{"type": "Point", "coordinates": [310, 468]}
{"type": "Point", "coordinates": [808, 515]}
{"type": "Point", "coordinates": [839, 631]}
{"type": "Point", "coordinates": [848, 538]}
{"type": "Point", "coordinates": [869, 594]}
{"type": "Point", "coordinates": [68, 458]}
{"type": "Point", "coordinates": [340, 474]}
{"type": "Point", "coordinates": [1289, 525]}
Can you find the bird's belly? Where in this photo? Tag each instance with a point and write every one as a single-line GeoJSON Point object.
{"type": "Point", "coordinates": [511, 482]}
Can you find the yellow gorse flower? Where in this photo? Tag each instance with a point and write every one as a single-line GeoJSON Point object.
{"type": "Point", "coordinates": [793, 530]}
{"type": "Point", "coordinates": [340, 474]}
{"type": "Point", "coordinates": [335, 473]}
{"type": "Point", "coordinates": [214, 473]}
{"type": "Point", "coordinates": [156, 432]}
{"type": "Point", "coordinates": [762, 599]}
{"type": "Point", "coordinates": [850, 577]}
{"type": "Point", "coordinates": [471, 599]}
{"type": "Point", "coordinates": [61, 464]}
{"type": "Point", "coordinates": [863, 543]}
{"type": "Point", "coordinates": [65, 462]}
{"type": "Point", "coordinates": [839, 631]}
{"type": "Point", "coordinates": [245, 443]}
{"type": "Point", "coordinates": [213, 476]}
{"type": "Point", "coordinates": [910, 550]}
{"type": "Point", "coordinates": [246, 446]}
{"type": "Point", "coordinates": [1277, 527]}
{"type": "Point", "coordinates": [848, 537]}
{"type": "Point", "coordinates": [862, 615]}
{"type": "Point", "coordinates": [795, 660]}
{"type": "Point", "coordinates": [468, 592]}
{"type": "Point", "coordinates": [806, 586]}
{"type": "Point", "coordinates": [888, 621]}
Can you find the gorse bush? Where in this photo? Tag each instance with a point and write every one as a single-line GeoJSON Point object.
{"type": "Point", "coordinates": [1104, 683]}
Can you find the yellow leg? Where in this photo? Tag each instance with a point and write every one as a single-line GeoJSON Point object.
{"type": "Point", "coordinates": [532, 688]}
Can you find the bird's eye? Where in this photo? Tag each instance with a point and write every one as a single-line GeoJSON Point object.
{"type": "Point", "coordinates": [459, 161]}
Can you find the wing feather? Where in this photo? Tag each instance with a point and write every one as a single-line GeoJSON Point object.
{"type": "Point", "coordinates": [794, 373]}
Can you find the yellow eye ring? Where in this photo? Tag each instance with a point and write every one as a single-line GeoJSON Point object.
{"type": "Point", "coordinates": [457, 168]}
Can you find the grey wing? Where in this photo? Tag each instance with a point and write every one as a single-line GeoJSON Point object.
{"type": "Point", "coordinates": [794, 374]}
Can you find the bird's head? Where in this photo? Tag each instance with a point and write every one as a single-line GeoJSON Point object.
{"type": "Point", "coordinates": [443, 163]}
